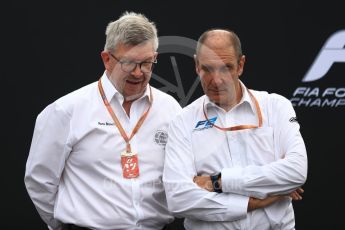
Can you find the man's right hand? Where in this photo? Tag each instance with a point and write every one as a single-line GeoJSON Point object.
{"type": "Point", "coordinates": [255, 203]}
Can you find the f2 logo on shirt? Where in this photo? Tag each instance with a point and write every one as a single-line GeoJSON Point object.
{"type": "Point", "coordinates": [205, 124]}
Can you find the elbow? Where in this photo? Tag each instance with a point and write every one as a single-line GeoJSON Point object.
{"type": "Point", "coordinates": [175, 208]}
{"type": "Point", "coordinates": [303, 177]}
{"type": "Point", "coordinates": [298, 168]}
{"type": "Point", "coordinates": [177, 202]}
{"type": "Point", "coordinates": [301, 173]}
{"type": "Point", "coordinates": [300, 179]}
{"type": "Point", "coordinates": [28, 181]}
{"type": "Point", "coordinates": [173, 202]}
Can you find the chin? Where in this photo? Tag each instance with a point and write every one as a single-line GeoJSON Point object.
{"type": "Point", "coordinates": [219, 100]}
{"type": "Point", "coordinates": [133, 95]}
{"type": "Point", "coordinates": [215, 98]}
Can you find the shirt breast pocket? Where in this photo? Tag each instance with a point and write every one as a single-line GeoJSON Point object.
{"type": "Point", "coordinates": [210, 150]}
{"type": "Point", "coordinates": [256, 146]}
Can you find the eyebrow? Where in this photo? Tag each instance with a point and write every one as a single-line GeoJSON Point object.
{"type": "Point", "coordinates": [131, 60]}
{"type": "Point", "coordinates": [229, 65]}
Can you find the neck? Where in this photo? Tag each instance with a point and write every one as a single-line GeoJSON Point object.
{"type": "Point", "coordinates": [133, 97]}
{"type": "Point", "coordinates": [127, 106]}
{"type": "Point", "coordinates": [128, 100]}
{"type": "Point", "coordinates": [228, 105]}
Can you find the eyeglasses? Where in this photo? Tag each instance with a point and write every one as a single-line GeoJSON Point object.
{"type": "Point", "coordinates": [129, 66]}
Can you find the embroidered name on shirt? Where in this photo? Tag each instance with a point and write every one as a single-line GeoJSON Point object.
{"type": "Point", "coordinates": [205, 124]}
{"type": "Point", "coordinates": [105, 123]}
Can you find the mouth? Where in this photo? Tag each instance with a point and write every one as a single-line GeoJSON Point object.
{"type": "Point", "coordinates": [133, 82]}
{"type": "Point", "coordinates": [217, 90]}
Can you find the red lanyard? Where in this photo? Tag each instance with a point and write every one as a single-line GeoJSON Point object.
{"type": "Point", "coordinates": [240, 127]}
{"type": "Point", "coordinates": [117, 122]}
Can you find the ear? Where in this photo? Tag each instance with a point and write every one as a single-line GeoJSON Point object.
{"type": "Point", "coordinates": [241, 65]}
{"type": "Point", "coordinates": [197, 70]}
{"type": "Point", "coordinates": [106, 60]}
{"type": "Point", "coordinates": [155, 56]}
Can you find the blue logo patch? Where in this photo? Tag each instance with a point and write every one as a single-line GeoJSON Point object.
{"type": "Point", "coordinates": [205, 124]}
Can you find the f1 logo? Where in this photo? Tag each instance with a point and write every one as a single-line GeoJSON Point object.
{"type": "Point", "coordinates": [332, 51]}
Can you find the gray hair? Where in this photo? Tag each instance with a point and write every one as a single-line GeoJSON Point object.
{"type": "Point", "coordinates": [233, 38]}
{"type": "Point", "coordinates": [130, 29]}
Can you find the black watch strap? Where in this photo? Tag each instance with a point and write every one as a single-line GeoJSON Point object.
{"type": "Point", "coordinates": [215, 183]}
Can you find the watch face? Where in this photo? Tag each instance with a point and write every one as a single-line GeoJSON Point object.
{"type": "Point", "coordinates": [215, 183]}
{"type": "Point", "coordinates": [217, 175]}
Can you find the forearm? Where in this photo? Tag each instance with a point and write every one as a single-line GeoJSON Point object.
{"type": "Point", "coordinates": [190, 201]}
{"type": "Point", "coordinates": [46, 161]}
{"type": "Point", "coordinates": [184, 197]}
{"type": "Point", "coordinates": [43, 197]}
{"type": "Point", "coordinates": [280, 177]}
{"type": "Point", "coordinates": [287, 172]}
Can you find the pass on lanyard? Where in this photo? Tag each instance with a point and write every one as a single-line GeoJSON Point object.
{"type": "Point", "coordinates": [129, 160]}
{"type": "Point", "coordinates": [130, 165]}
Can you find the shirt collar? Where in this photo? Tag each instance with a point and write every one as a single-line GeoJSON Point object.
{"type": "Point", "coordinates": [245, 100]}
{"type": "Point", "coordinates": [111, 92]}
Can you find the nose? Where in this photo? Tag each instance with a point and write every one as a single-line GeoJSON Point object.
{"type": "Point", "coordinates": [137, 71]}
{"type": "Point", "coordinates": [217, 78]}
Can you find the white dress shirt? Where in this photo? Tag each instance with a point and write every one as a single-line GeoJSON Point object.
{"type": "Point", "coordinates": [74, 174]}
{"type": "Point", "coordinates": [253, 163]}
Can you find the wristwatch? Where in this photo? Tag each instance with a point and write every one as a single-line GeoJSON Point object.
{"type": "Point", "coordinates": [215, 182]}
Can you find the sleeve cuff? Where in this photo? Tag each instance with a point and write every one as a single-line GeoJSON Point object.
{"type": "Point", "coordinates": [232, 180]}
{"type": "Point", "coordinates": [237, 207]}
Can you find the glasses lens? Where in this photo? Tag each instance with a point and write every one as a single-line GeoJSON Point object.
{"type": "Point", "coordinates": [146, 67]}
{"type": "Point", "coordinates": [128, 66]}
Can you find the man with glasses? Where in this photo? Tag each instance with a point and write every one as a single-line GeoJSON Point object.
{"type": "Point", "coordinates": [96, 158]}
{"type": "Point", "coordinates": [235, 157]}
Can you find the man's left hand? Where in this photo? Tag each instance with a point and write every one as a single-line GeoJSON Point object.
{"type": "Point", "coordinates": [204, 182]}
